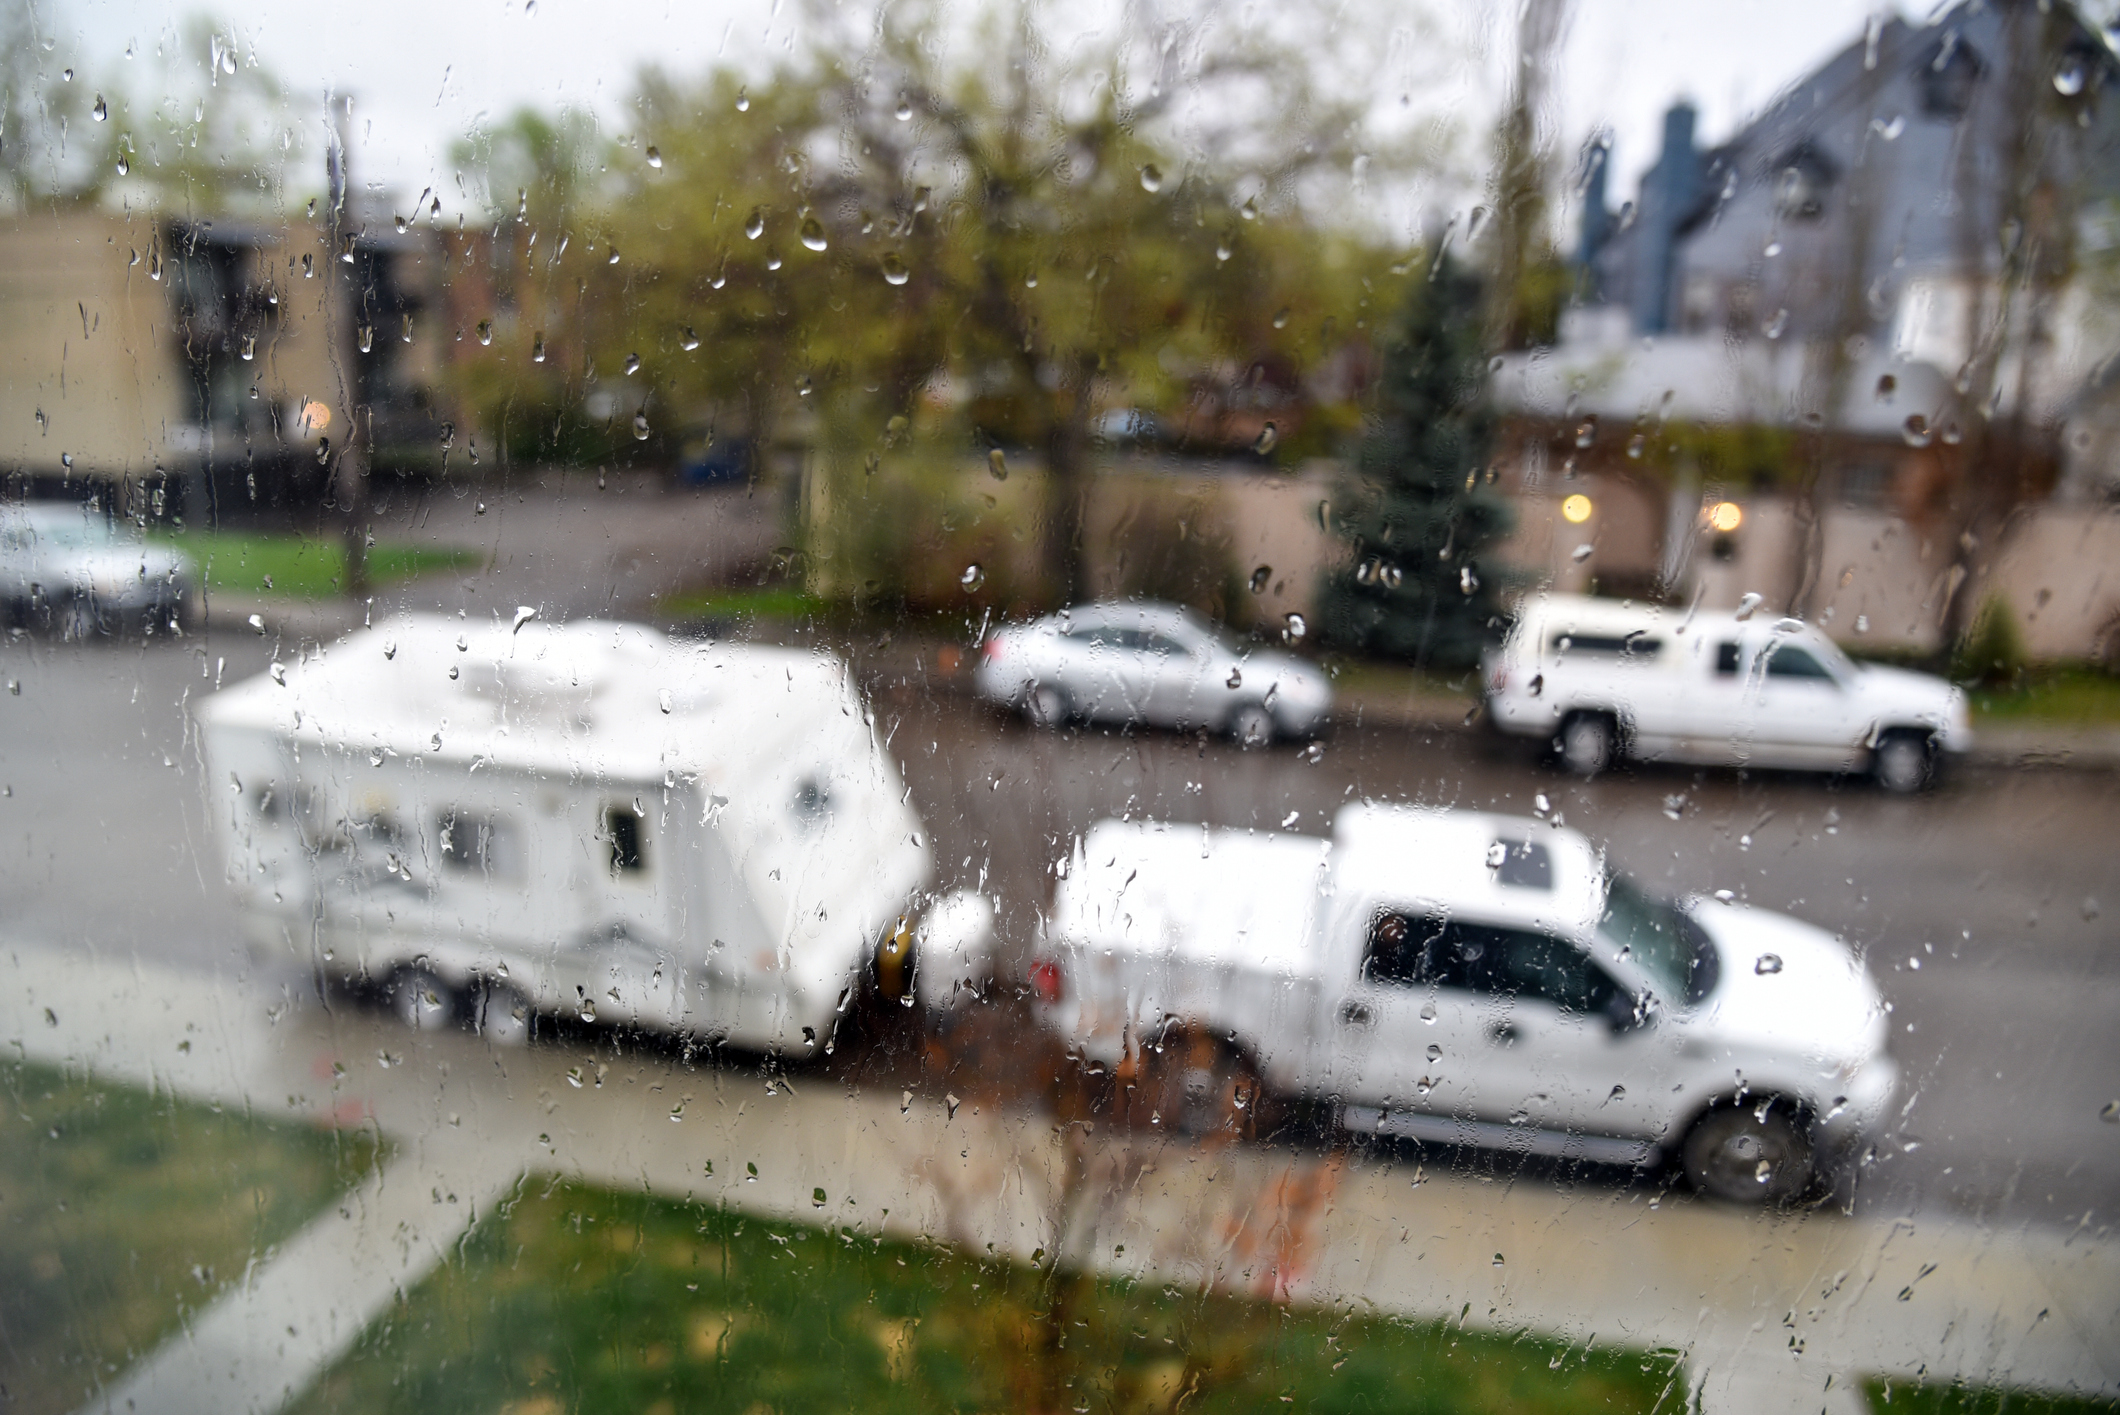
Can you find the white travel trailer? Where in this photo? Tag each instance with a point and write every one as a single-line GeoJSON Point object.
{"type": "Point", "coordinates": [497, 821]}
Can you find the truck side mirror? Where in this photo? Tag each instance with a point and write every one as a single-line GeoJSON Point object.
{"type": "Point", "coordinates": [1625, 1012]}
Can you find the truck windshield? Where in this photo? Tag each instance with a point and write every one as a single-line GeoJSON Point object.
{"type": "Point", "coordinates": [1675, 951]}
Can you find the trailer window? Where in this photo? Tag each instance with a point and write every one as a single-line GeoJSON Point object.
{"type": "Point", "coordinates": [622, 828]}
{"type": "Point", "coordinates": [1789, 661]}
{"type": "Point", "coordinates": [1726, 659]}
{"type": "Point", "coordinates": [1634, 646]}
{"type": "Point", "coordinates": [469, 842]}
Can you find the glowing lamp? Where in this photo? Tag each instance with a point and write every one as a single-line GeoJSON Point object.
{"type": "Point", "coordinates": [1725, 516]}
{"type": "Point", "coordinates": [1576, 509]}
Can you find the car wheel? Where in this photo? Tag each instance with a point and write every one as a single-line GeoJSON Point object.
{"type": "Point", "coordinates": [1904, 762]}
{"type": "Point", "coordinates": [1251, 725]}
{"type": "Point", "coordinates": [1588, 743]}
{"type": "Point", "coordinates": [1045, 705]}
{"type": "Point", "coordinates": [501, 1015]}
{"type": "Point", "coordinates": [421, 1000]}
{"type": "Point", "coordinates": [1752, 1153]}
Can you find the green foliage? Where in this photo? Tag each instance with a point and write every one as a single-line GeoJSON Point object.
{"type": "Point", "coordinates": [1418, 512]}
{"type": "Point", "coordinates": [589, 1301]}
{"type": "Point", "coordinates": [304, 567]}
{"type": "Point", "coordinates": [121, 1212]}
{"type": "Point", "coordinates": [1991, 653]}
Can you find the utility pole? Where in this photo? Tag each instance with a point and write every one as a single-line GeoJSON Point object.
{"type": "Point", "coordinates": [349, 480]}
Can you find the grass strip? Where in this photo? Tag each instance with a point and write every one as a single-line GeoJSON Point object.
{"type": "Point", "coordinates": [1909, 1398]}
{"type": "Point", "coordinates": [305, 567]}
{"type": "Point", "coordinates": [121, 1212]}
{"type": "Point", "coordinates": [585, 1301]}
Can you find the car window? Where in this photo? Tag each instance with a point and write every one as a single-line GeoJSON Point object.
{"type": "Point", "coordinates": [1728, 658]}
{"type": "Point", "coordinates": [1795, 662]}
{"type": "Point", "coordinates": [1659, 938]}
{"type": "Point", "coordinates": [1417, 950]}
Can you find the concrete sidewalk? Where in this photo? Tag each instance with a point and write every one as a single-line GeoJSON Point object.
{"type": "Point", "coordinates": [1772, 1312]}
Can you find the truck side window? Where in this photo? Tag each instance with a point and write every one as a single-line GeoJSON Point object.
{"type": "Point", "coordinates": [1402, 949]}
{"type": "Point", "coordinates": [1726, 659]}
{"type": "Point", "coordinates": [628, 848]}
{"type": "Point", "coordinates": [1416, 950]}
{"type": "Point", "coordinates": [1554, 970]}
{"type": "Point", "coordinates": [1789, 661]}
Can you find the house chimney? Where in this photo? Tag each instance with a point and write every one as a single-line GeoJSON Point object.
{"type": "Point", "coordinates": [1669, 192]}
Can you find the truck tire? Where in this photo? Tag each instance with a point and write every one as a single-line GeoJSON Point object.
{"type": "Point", "coordinates": [1588, 743]}
{"type": "Point", "coordinates": [1044, 705]}
{"type": "Point", "coordinates": [1749, 1152]}
{"type": "Point", "coordinates": [1198, 1086]}
{"type": "Point", "coordinates": [1904, 762]}
{"type": "Point", "coordinates": [1251, 725]}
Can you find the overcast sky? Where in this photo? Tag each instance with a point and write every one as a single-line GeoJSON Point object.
{"type": "Point", "coordinates": [425, 71]}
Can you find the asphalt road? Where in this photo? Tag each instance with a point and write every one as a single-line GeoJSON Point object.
{"type": "Point", "coordinates": [1981, 906]}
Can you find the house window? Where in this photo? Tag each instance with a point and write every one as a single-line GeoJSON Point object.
{"type": "Point", "coordinates": [471, 842]}
{"type": "Point", "coordinates": [1948, 71]}
{"type": "Point", "coordinates": [1805, 177]}
{"type": "Point", "coordinates": [622, 829]}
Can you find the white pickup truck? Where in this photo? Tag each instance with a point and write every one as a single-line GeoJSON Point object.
{"type": "Point", "coordinates": [1464, 979]}
{"type": "Point", "coordinates": [1601, 678]}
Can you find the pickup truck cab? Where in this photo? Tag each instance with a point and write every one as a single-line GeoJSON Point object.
{"type": "Point", "coordinates": [1465, 979]}
{"type": "Point", "coordinates": [1601, 679]}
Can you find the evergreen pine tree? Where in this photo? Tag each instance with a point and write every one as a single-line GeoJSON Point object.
{"type": "Point", "coordinates": [1418, 508]}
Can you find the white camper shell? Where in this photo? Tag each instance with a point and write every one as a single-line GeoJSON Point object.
{"type": "Point", "coordinates": [602, 821]}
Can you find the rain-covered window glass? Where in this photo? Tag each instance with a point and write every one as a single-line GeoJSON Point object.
{"type": "Point", "coordinates": [1133, 707]}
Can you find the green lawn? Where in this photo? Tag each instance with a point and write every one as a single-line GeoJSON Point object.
{"type": "Point", "coordinates": [1888, 1398]}
{"type": "Point", "coordinates": [304, 567]}
{"type": "Point", "coordinates": [121, 1211]}
{"type": "Point", "coordinates": [740, 602]}
{"type": "Point", "coordinates": [2074, 696]}
{"type": "Point", "coordinates": [585, 1301]}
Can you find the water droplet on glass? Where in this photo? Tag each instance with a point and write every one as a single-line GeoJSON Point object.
{"type": "Point", "coordinates": [524, 613]}
{"type": "Point", "coordinates": [1260, 578]}
{"type": "Point", "coordinates": [1250, 210]}
{"type": "Point", "coordinates": [2110, 1113]}
{"type": "Point", "coordinates": [1497, 1260]}
{"type": "Point", "coordinates": [485, 331]}
{"type": "Point", "coordinates": [632, 364]}
{"type": "Point", "coordinates": [743, 100]}
{"type": "Point", "coordinates": [1582, 552]}
{"type": "Point", "coordinates": [1151, 178]}
{"type": "Point", "coordinates": [1467, 581]}
{"type": "Point", "coordinates": [1428, 1013]}
{"type": "Point", "coordinates": [1236, 678]}
{"type": "Point", "coordinates": [537, 347]}
{"type": "Point", "coordinates": [772, 260]}
{"type": "Point", "coordinates": [1268, 436]}
{"type": "Point", "coordinates": [997, 465]}
{"type": "Point", "coordinates": [894, 271]}
{"type": "Point", "coordinates": [1586, 432]}
{"type": "Point", "coordinates": [250, 347]}
{"type": "Point", "coordinates": [972, 578]}
{"type": "Point", "coordinates": [813, 237]}
{"type": "Point", "coordinates": [1773, 247]}
{"type": "Point", "coordinates": [1916, 431]}
{"type": "Point", "coordinates": [125, 166]}
{"type": "Point", "coordinates": [375, 758]}
{"type": "Point", "coordinates": [588, 1012]}
{"type": "Point", "coordinates": [367, 337]}
{"type": "Point", "coordinates": [687, 340]}
{"type": "Point", "coordinates": [654, 156]}
{"type": "Point", "coordinates": [1391, 577]}
{"type": "Point", "coordinates": [101, 111]}
{"type": "Point", "coordinates": [904, 111]}
{"type": "Point", "coordinates": [1222, 251]}
{"type": "Point", "coordinates": [2069, 78]}
{"type": "Point", "coordinates": [1767, 963]}
{"type": "Point", "coordinates": [323, 449]}
{"type": "Point", "coordinates": [1775, 324]}
{"type": "Point", "coordinates": [951, 1103]}
{"type": "Point", "coordinates": [640, 425]}
{"type": "Point", "coordinates": [754, 225]}
{"type": "Point", "coordinates": [279, 674]}
{"type": "Point", "coordinates": [1293, 628]}
{"type": "Point", "coordinates": [1280, 317]}
{"type": "Point", "coordinates": [1747, 603]}
{"type": "Point", "coordinates": [1435, 1053]}
{"type": "Point", "coordinates": [905, 1102]}
{"type": "Point", "coordinates": [663, 700]}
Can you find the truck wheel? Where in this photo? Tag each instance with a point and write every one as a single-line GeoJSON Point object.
{"type": "Point", "coordinates": [1749, 1153]}
{"type": "Point", "coordinates": [1904, 762]}
{"type": "Point", "coordinates": [421, 1000]}
{"type": "Point", "coordinates": [1045, 705]}
{"type": "Point", "coordinates": [1201, 1088]}
{"type": "Point", "coordinates": [1588, 743]}
{"type": "Point", "coordinates": [1251, 725]}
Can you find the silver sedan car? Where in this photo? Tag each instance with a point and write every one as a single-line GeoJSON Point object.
{"type": "Point", "coordinates": [1152, 663]}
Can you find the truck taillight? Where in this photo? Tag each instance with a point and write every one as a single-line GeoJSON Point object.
{"type": "Point", "coordinates": [1046, 982]}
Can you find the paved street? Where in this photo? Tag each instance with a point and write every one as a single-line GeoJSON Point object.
{"type": "Point", "coordinates": [1982, 907]}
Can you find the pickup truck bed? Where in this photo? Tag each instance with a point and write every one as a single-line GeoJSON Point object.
{"type": "Point", "coordinates": [1183, 920]}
